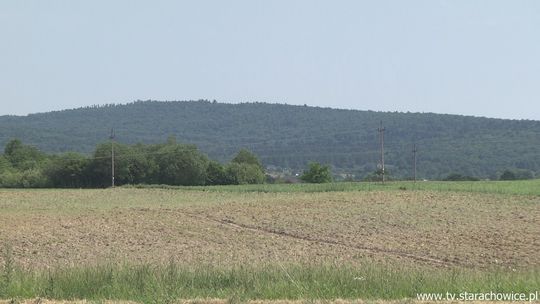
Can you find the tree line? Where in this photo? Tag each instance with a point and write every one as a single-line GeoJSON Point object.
{"type": "Point", "coordinates": [171, 163]}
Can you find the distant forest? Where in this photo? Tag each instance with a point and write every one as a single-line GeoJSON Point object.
{"type": "Point", "coordinates": [286, 138]}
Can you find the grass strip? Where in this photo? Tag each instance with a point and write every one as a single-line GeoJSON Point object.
{"type": "Point", "coordinates": [165, 283]}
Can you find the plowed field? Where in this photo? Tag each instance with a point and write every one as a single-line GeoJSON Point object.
{"type": "Point", "coordinates": [50, 228]}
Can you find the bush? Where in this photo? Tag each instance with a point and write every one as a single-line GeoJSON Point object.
{"type": "Point", "coordinates": [317, 173]}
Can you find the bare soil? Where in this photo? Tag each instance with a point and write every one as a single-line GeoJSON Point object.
{"type": "Point", "coordinates": [50, 228]}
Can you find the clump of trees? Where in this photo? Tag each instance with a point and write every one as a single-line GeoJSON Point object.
{"type": "Point", "coordinates": [317, 173]}
{"type": "Point", "coordinates": [22, 166]}
{"type": "Point", "coordinates": [169, 163]}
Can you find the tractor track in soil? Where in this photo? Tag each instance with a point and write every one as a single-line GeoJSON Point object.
{"type": "Point", "coordinates": [230, 223]}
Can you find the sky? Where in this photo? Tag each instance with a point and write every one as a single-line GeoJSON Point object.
{"type": "Point", "coordinates": [468, 57]}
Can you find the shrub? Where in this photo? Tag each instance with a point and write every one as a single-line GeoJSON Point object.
{"type": "Point", "coordinates": [317, 173]}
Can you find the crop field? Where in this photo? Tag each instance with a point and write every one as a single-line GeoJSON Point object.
{"type": "Point", "coordinates": [252, 243]}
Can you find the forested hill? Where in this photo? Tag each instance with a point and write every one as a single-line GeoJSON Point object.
{"type": "Point", "coordinates": [290, 136]}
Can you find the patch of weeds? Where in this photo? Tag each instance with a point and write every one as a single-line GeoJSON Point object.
{"type": "Point", "coordinates": [7, 269]}
{"type": "Point", "coordinates": [48, 292]}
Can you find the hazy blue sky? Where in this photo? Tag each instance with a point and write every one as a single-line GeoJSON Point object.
{"type": "Point", "coordinates": [466, 57]}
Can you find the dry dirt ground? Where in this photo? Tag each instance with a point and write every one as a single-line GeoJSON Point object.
{"type": "Point", "coordinates": [50, 228]}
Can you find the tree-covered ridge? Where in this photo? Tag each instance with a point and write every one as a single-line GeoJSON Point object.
{"type": "Point", "coordinates": [286, 136]}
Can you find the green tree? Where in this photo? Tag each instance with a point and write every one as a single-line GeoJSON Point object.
{"type": "Point", "coordinates": [246, 157]}
{"type": "Point", "coordinates": [243, 173]}
{"type": "Point", "coordinates": [34, 178]}
{"type": "Point", "coordinates": [22, 166]}
{"type": "Point", "coordinates": [23, 157]}
{"type": "Point", "coordinates": [5, 164]}
{"type": "Point", "coordinates": [245, 168]}
{"type": "Point", "coordinates": [317, 173]}
{"type": "Point", "coordinates": [215, 174]}
{"type": "Point", "coordinates": [181, 165]}
{"type": "Point", "coordinates": [68, 171]}
{"type": "Point", "coordinates": [139, 164]}
{"type": "Point", "coordinates": [31, 178]}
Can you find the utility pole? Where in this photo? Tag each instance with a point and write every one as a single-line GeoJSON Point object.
{"type": "Point", "coordinates": [381, 130]}
{"type": "Point", "coordinates": [414, 161]}
{"type": "Point", "coordinates": [112, 157]}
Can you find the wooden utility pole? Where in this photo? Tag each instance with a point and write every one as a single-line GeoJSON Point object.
{"type": "Point", "coordinates": [414, 161]}
{"type": "Point", "coordinates": [381, 139]}
{"type": "Point", "coordinates": [112, 157]}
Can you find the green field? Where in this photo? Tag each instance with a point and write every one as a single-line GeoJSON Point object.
{"type": "Point", "coordinates": [270, 242]}
{"type": "Point", "coordinates": [525, 187]}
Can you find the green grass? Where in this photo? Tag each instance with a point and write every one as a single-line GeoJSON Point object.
{"type": "Point", "coordinates": [525, 187]}
{"type": "Point", "coordinates": [164, 283]}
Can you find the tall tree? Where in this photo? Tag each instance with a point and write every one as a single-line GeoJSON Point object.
{"type": "Point", "coordinates": [245, 156]}
{"type": "Point", "coordinates": [68, 171]}
{"type": "Point", "coordinates": [181, 165]}
{"type": "Point", "coordinates": [22, 156]}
